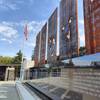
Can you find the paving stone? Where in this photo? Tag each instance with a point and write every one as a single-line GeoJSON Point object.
{"type": "Point", "coordinates": [59, 92]}
{"type": "Point", "coordinates": [8, 92]}
{"type": "Point", "coordinates": [73, 96]}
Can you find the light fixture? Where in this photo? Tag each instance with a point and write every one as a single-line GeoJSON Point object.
{"type": "Point", "coordinates": [68, 35]}
{"type": "Point", "coordinates": [53, 41]}
{"type": "Point", "coordinates": [92, 0]}
{"type": "Point", "coordinates": [63, 28]}
{"type": "Point", "coordinates": [49, 40]}
{"type": "Point", "coordinates": [70, 20]}
{"type": "Point", "coordinates": [52, 54]}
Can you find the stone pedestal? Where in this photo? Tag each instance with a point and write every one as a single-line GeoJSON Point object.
{"type": "Point", "coordinates": [10, 74]}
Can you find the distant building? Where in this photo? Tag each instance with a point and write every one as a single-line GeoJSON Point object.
{"type": "Point", "coordinates": [69, 40]}
{"type": "Point", "coordinates": [28, 64]}
{"type": "Point", "coordinates": [43, 44]}
{"type": "Point", "coordinates": [52, 37]}
{"type": "Point", "coordinates": [92, 25]}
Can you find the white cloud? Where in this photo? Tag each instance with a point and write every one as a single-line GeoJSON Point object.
{"type": "Point", "coordinates": [81, 21]}
{"type": "Point", "coordinates": [4, 4]}
{"type": "Point", "coordinates": [35, 26]}
{"type": "Point", "coordinates": [11, 24]}
{"type": "Point", "coordinates": [81, 32]}
{"type": "Point", "coordinates": [7, 32]}
{"type": "Point", "coordinates": [31, 2]}
{"type": "Point", "coordinates": [6, 40]}
{"type": "Point", "coordinates": [82, 39]}
{"type": "Point", "coordinates": [14, 4]}
{"type": "Point", "coordinates": [30, 44]}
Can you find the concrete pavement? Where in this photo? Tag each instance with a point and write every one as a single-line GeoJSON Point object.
{"type": "Point", "coordinates": [8, 91]}
{"type": "Point", "coordinates": [24, 93]}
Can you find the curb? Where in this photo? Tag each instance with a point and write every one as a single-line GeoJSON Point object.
{"type": "Point", "coordinates": [23, 93]}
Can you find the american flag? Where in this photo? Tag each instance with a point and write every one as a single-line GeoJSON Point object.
{"type": "Point", "coordinates": [26, 32]}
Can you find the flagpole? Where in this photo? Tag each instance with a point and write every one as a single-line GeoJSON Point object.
{"type": "Point", "coordinates": [22, 67]}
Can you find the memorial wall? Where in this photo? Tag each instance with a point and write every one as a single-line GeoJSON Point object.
{"type": "Point", "coordinates": [43, 44]}
{"type": "Point", "coordinates": [82, 80]}
{"type": "Point", "coordinates": [69, 40]}
{"type": "Point", "coordinates": [37, 49]}
{"type": "Point", "coordinates": [52, 37]}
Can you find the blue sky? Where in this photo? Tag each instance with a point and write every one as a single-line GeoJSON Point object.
{"type": "Point", "coordinates": [13, 16]}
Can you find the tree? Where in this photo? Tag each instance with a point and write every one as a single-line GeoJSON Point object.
{"type": "Point", "coordinates": [6, 60]}
{"type": "Point", "coordinates": [32, 57]}
{"type": "Point", "coordinates": [12, 60]}
{"type": "Point", "coordinates": [82, 51]}
{"type": "Point", "coordinates": [18, 58]}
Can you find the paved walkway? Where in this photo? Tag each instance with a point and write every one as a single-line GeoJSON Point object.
{"type": "Point", "coordinates": [56, 93]}
{"type": "Point", "coordinates": [36, 97]}
{"type": "Point", "coordinates": [8, 91]}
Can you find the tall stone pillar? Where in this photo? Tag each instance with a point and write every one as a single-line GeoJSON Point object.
{"type": "Point", "coordinates": [6, 74]}
{"type": "Point", "coordinates": [10, 74]}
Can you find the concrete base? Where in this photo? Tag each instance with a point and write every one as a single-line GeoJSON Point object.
{"type": "Point", "coordinates": [8, 91]}
{"type": "Point", "coordinates": [23, 93]}
{"type": "Point", "coordinates": [10, 74]}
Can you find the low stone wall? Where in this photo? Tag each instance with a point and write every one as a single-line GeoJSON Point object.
{"type": "Point", "coordinates": [83, 80]}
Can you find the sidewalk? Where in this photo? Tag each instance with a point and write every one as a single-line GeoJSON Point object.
{"type": "Point", "coordinates": [8, 91]}
{"type": "Point", "coordinates": [56, 93]}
